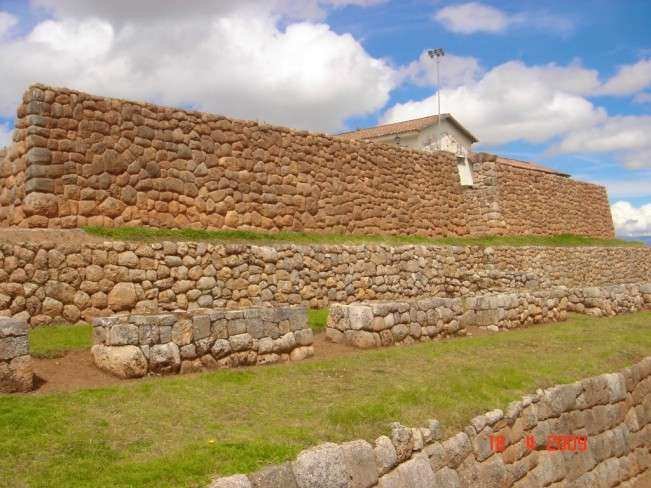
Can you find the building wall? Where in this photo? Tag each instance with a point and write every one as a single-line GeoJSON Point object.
{"type": "Point", "coordinates": [83, 160]}
{"type": "Point", "coordinates": [45, 283]}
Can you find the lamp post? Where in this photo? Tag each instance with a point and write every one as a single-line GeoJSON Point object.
{"type": "Point", "coordinates": [437, 53]}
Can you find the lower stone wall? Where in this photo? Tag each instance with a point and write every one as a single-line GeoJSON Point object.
{"type": "Point", "coordinates": [385, 323]}
{"type": "Point", "coordinates": [595, 432]}
{"type": "Point", "coordinates": [610, 300]}
{"type": "Point", "coordinates": [131, 346]}
{"type": "Point", "coordinates": [15, 362]}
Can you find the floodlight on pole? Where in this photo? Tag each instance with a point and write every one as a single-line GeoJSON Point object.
{"type": "Point", "coordinates": [437, 53]}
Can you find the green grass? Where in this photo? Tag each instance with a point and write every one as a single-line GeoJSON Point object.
{"type": "Point", "coordinates": [179, 431]}
{"type": "Point", "coordinates": [154, 234]}
{"type": "Point", "coordinates": [317, 318]}
{"type": "Point", "coordinates": [55, 340]}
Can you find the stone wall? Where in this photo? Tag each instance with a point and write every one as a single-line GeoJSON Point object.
{"type": "Point", "coordinates": [385, 323]}
{"type": "Point", "coordinates": [595, 432]}
{"type": "Point", "coordinates": [530, 202]}
{"type": "Point", "coordinates": [131, 346]}
{"type": "Point", "coordinates": [15, 362]}
{"type": "Point", "coordinates": [376, 324]}
{"type": "Point", "coordinates": [80, 159]}
{"type": "Point", "coordinates": [610, 300]}
{"type": "Point", "coordinates": [46, 283]}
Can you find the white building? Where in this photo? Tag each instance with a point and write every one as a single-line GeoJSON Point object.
{"type": "Point", "coordinates": [425, 134]}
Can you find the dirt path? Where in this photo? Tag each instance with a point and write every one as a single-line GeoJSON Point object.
{"type": "Point", "coordinates": [53, 236]}
{"type": "Point", "coordinates": [74, 371]}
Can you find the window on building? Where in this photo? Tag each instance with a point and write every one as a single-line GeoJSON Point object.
{"type": "Point", "coordinates": [465, 172]}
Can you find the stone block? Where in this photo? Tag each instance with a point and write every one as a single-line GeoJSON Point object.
{"type": "Point", "coordinates": [11, 347]}
{"type": "Point", "coordinates": [16, 376]}
{"type": "Point", "coordinates": [121, 361]}
{"type": "Point", "coordinates": [274, 477]}
{"type": "Point", "coordinates": [12, 327]}
{"type": "Point", "coordinates": [323, 466]}
{"type": "Point", "coordinates": [123, 334]}
{"type": "Point", "coordinates": [360, 464]}
{"type": "Point", "coordinates": [164, 358]}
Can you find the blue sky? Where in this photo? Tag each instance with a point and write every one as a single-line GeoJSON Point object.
{"type": "Point", "coordinates": [567, 84]}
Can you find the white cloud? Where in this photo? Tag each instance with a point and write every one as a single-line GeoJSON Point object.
{"type": "Point", "coordinates": [143, 11]}
{"type": "Point", "coordinates": [5, 135]}
{"type": "Point", "coordinates": [455, 70]}
{"type": "Point", "coordinates": [7, 21]}
{"type": "Point", "coordinates": [627, 188]}
{"type": "Point", "coordinates": [626, 135]}
{"type": "Point", "coordinates": [471, 17]}
{"type": "Point", "coordinates": [515, 102]}
{"type": "Point", "coordinates": [631, 221]}
{"type": "Point", "coordinates": [629, 79]}
{"type": "Point", "coordinates": [228, 61]}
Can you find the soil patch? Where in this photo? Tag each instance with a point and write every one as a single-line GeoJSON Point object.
{"type": "Point", "coordinates": [74, 371]}
{"type": "Point", "coordinates": [52, 236]}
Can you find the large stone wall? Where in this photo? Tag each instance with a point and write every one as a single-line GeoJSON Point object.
{"type": "Point", "coordinates": [79, 159]}
{"type": "Point", "coordinates": [46, 283]}
{"type": "Point", "coordinates": [594, 432]}
{"type": "Point", "coordinates": [131, 346]}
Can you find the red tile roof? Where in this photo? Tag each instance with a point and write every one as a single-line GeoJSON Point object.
{"type": "Point", "coordinates": [530, 166]}
{"type": "Point", "coordinates": [402, 127]}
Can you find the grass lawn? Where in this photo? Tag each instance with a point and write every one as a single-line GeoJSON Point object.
{"type": "Point", "coordinates": [178, 431]}
{"type": "Point", "coordinates": [55, 340]}
{"type": "Point", "coordinates": [317, 319]}
{"type": "Point", "coordinates": [252, 237]}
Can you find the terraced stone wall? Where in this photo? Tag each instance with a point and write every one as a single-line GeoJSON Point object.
{"type": "Point", "coordinates": [44, 283]}
{"type": "Point", "coordinates": [385, 323]}
{"type": "Point", "coordinates": [131, 346]}
{"type": "Point", "coordinates": [594, 432]}
{"type": "Point", "coordinates": [79, 159]}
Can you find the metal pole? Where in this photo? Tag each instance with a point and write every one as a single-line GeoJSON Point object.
{"type": "Point", "coordinates": [438, 87]}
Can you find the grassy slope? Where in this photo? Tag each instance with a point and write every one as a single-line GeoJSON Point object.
{"type": "Point", "coordinates": [53, 341]}
{"type": "Point", "coordinates": [152, 234]}
{"type": "Point", "coordinates": [177, 431]}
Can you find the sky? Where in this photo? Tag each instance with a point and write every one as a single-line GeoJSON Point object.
{"type": "Point", "coordinates": [565, 84]}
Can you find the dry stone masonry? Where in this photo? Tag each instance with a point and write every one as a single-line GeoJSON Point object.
{"type": "Point", "coordinates": [43, 283]}
{"type": "Point", "coordinates": [385, 323]}
{"type": "Point", "coordinates": [79, 159]}
{"type": "Point", "coordinates": [131, 346]}
{"type": "Point", "coordinates": [610, 300]}
{"type": "Point", "coordinates": [376, 324]}
{"type": "Point", "coordinates": [610, 412]}
{"type": "Point", "coordinates": [15, 362]}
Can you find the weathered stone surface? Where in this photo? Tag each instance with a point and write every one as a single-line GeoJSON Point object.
{"type": "Point", "coordinates": [164, 358]}
{"type": "Point", "coordinates": [321, 467]}
{"type": "Point", "coordinates": [360, 464]}
{"type": "Point", "coordinates": [122, 297]}
{"type": "Point", "coordinates": [16, 375]}
{"type": "Point", "coordinates": [236, 481]}
{"type": "Point", "coordinates": [121, 361]}
{"type": "Point", "coordinates": [274, 476]}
